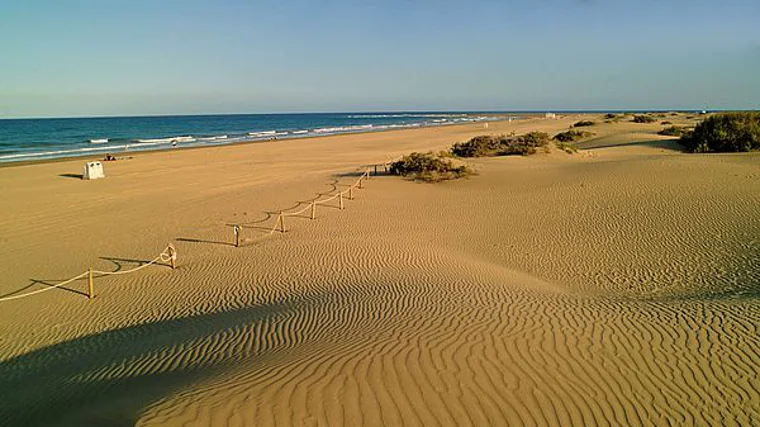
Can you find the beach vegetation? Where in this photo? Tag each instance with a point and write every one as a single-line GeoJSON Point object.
{"type": "Point", "coordinates": [666, 123]}
{"type": "Point", "coordinates": [501, 145]}
{"type": "Point", "coordinates": [673, 131]}
{"type": "Point", "coordinates": [583, 123]}
{"type": "Point", "coordinates": [567, 147]}
{"type": "Point", "coordinates": [725, 132]}
{"type": "Point", "coordinates": [572, 135]}
{"type": "Point", "coordinates": [643, 118]}
{"type": "Point", "coordinates": [610, 116]}
{"type": "Point", "coordinates": [429, 167]}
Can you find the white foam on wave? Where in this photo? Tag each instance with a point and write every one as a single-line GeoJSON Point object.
{"type": "Point", "coordinates": [166, 140]}
{"type": "Point", "coordinates": [212, 138]}
{"type": "Point", "coordinates": [403, 115]}
{"type": "Point", "coordinates": [69, 152]}
{"type": "Point", "coordinates": [263, 134]}
{"type": "Point", "coordinates": [99, 141]}
{"type": "Point", "coordinates": [339, 129]}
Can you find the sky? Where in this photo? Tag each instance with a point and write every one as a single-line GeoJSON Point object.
{"type": "Point", "coordinates": [137, 57]}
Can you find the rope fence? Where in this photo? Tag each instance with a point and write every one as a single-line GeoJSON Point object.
{"type": "Point", "coordinates": [279, 224]}
{"type": "Point", "coordinates": [169, 254]}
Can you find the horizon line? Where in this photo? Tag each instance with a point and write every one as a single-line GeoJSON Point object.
{"type": "Point", "coordinates": [528, 111]}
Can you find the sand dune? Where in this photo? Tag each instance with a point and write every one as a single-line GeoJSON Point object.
{"type": "Point", "coordinates": [614, 287]}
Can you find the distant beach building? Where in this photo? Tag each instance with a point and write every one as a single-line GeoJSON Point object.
{"type": "Point", "coordinates": [551, 116]}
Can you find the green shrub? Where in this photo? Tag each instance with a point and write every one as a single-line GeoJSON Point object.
{"type": "Point", "coordinates": [673, 131]}
{"type": "Point", "coordinates": [584, 123]}
{"type": "Point", "coordinates": [643, 118]}
{"type": "Point", "coordinates": [725, 132]}
{"type": "Point", "coordinates": [531, 140]}
{"type": "Point", "coordinates": [666, 123]}
{"type": "Point", "coordinates": [501, 145]}
{"type": "Point", "coordinates": [567, 147]}
{"type": "Point", "coordinates": [479, 146]}
{"type": "Point", "coordinates": [609, 116]}
{"type": "Point", "coordinates": [572, 135]}
{"type": "Point", "coordinates": [428, 167]}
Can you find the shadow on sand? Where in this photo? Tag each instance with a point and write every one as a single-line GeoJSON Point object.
{"type": "Point", "coordinates": [71, 175]}
{"type": "Point", "coordinates": [194, 240]}
{"type": "Point", "coordinates": [666, 144]}
{"type": "Point", "coordinates": [111, 377]}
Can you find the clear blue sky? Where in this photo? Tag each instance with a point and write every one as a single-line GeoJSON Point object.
{"type": "Point", "coordinates": [131, 57]}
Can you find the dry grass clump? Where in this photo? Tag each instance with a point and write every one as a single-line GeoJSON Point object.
{"type": "Point", "coordinates": [572, 135]}
{"type": "Point", "coordinates": [643, 118]}
{"type": "Point", "coordinates": [501, 145]}
{"type": "Point", "coordinates": [673, 131]}
{"type": "Point", "coordinates": [725, 132]}
{"type": "Point", "coordinates": [613, 118]}
{"type": "Point", "coordinates": [583, 123]}
{"type": "Point", "coordinates": [429, 167]}
{"type": "Point", "coordinates": [567, 147]}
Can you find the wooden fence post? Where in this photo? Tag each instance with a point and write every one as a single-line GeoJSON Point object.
{"type": "Point", "coordinates": [282, 222]}
{"type": "Point", "coordinates": [236, 230]}
{"type": "Point", "coordinates": [351, 193]}
{"type": "Point", "coordinates": [91, 287]}
{"type": "Point", "coordinates": [173, 256]}
{"type": "Point", "coordinates": [340, 196]}
{"type": "Point", "coordinates": [360, 181]}
{"type": "Point", "coordinates": [375, 170]}
{"type": "Point", "coordinates": [313, 210]}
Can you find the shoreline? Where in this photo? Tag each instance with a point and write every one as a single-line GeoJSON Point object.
{"type": "Point", "coordinates": [76, 150]}
{"type": "Point", "coordinates": [117, 154]}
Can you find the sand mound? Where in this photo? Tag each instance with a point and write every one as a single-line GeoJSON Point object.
{"type": "Point", "coordinates": [549, 290]}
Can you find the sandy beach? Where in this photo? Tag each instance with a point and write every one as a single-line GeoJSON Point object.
{"type": "Point", "coordinates": [615, 286]}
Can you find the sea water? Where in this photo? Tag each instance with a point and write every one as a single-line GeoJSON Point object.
{"type": "Point", "coordinates": [35, 139]}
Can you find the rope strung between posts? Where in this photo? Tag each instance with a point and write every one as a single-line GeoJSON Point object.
{"type": "Point", "coordinates": [39, 291]}
{"type": "Point", "coordinates": [167, 255]}
{"type": "Point", "coordinates": [279, 223]}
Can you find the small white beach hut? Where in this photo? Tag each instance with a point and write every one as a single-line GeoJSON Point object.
{"type": "Point", "coordinates": [93, 170]}
{"type": "Point", "coordinates": [551, 116]}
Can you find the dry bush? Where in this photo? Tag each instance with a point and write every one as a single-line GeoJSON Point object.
{"type": "Point", "coordinates": [572, 135]}
{"type": "Point", "coordinates": [673, 131]}
{"type": "Point", "coordinates": [643, 118]}
{"type": "Point", "coordinates": [501, 145]}
{"type": "Point", "coordinates": [429, 167]}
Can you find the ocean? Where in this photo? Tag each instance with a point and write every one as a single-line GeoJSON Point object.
{"type": "Point", "coordinates": [35, 139]}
